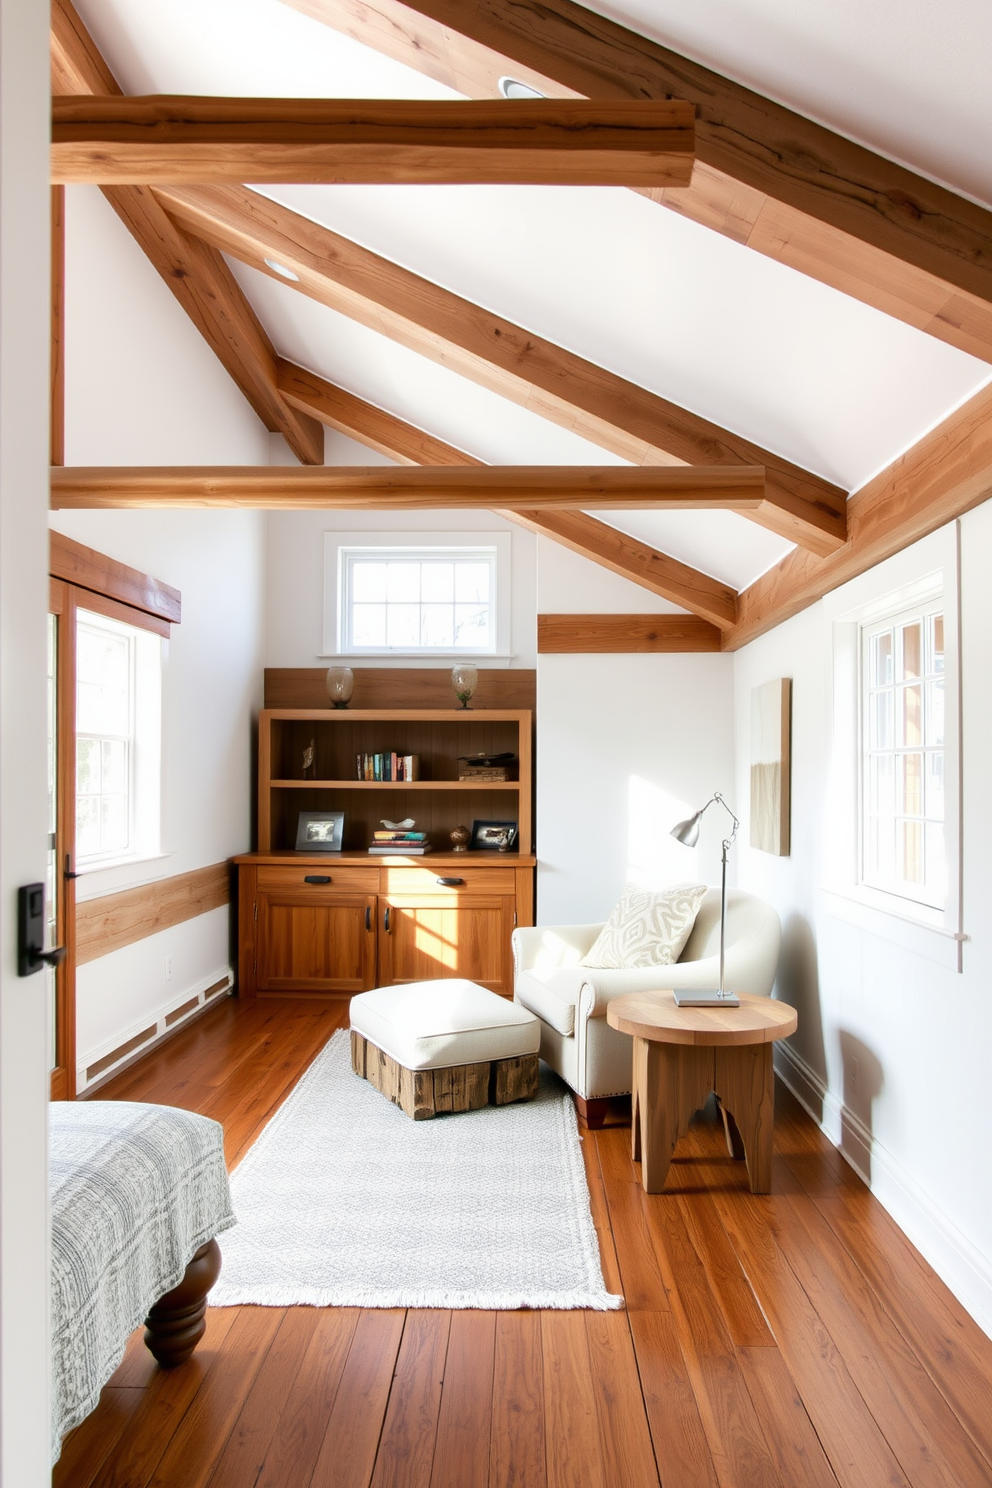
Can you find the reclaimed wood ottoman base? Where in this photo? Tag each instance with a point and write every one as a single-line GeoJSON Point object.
{"type": "Point", "coordinates": [433, 1092]}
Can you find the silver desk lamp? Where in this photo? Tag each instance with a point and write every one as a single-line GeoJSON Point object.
{"type": "Point", "coordinates": [688, 832]}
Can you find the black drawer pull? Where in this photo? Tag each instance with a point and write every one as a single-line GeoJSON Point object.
{"type": "Point", "coordinates": [449, 883]}
{"type": "Point", "coordinates": [317, 878]}
{"type": "Point", "coordinates": [368, 917]}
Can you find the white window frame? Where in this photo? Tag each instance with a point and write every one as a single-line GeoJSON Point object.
{"type": "Point", "coordinates": [914, 578]}
{"type": "Point", "coordinates": [921, 611]}
{"type": "Point", "coordinates": [144, 755]}
{"type": "Point", "coordinates": [340, 547]}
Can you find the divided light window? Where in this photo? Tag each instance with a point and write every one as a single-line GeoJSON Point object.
{"type": "Point", "coordinates": [902, 788]}
{"type": "Point", "coordinates": [105, 718]}
{"type": "Point", "coordinates": [418, 600]}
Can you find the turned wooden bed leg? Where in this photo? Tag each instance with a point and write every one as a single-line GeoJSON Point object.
{"type": "Point", "coordinates": [177, 1322]}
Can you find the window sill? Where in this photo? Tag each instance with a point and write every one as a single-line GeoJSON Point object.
{"type": "Point", "coordinates": [98, 879]}
{"type": "Point", "coordinates": [923, 937]}
{"type": "Point", "coordinates": [481, 658]}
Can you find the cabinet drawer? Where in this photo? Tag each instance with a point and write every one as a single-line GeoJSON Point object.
{"type": "Point", "coordinates": [468, 881]}
{"type": "Point", "coordinates": [277, 878]}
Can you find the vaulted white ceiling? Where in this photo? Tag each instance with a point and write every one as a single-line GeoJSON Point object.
{"type": "Point", "coordinates": [760, 349]}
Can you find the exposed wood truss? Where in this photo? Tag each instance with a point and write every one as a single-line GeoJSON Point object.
{"type": "Point", "coordinates": [582, 634]}
{"type": "Point", "coordinates": [583, 534]}
{"type": "Point", "coordinates": [623, 487]}
{"type": "Point", "coordinates": [195, 272]}
{"type": "Point", "coordinates": [947, 473]}
{"type": "Point", "coordinates": [391, 141]}
{"type": "Point", "coordinates": [616, 414]}
{"type": "Point", "coordinates": [765, 176]}
{"type": "Point", "coordinates": [637, 561]}
{"type": "Point", "coordinates": [371, 426]}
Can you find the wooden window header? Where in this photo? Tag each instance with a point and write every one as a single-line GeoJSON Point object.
{"type": "Point", "coordinates": [87, 569]}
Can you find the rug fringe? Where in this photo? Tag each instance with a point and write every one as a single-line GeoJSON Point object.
{"type": "Point", "coordinates": [448, 1301]}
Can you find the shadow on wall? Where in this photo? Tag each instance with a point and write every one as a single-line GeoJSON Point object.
{"type": "Point", "coordinates": [798, 983]}
{"type": "Point", "coordinates": [863, 1081]}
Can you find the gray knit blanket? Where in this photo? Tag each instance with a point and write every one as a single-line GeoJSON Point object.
{"type": "Point", "coordinates": [135, 1191]}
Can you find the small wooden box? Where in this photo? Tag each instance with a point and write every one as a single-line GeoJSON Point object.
{"type": "Point", "coordinates": [486, 772]}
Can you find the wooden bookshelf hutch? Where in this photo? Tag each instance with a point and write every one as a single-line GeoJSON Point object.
{"type": "Point", "coordinates": [339, 923]}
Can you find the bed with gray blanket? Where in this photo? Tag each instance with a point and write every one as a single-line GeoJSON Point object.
{"type": "Point", "coordinates": [138, 1194]}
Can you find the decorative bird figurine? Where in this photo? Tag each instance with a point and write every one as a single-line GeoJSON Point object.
{"type": "Point", "coordinates": [308, 764]}
{"type": "Point", "coordinates": [403, 826]}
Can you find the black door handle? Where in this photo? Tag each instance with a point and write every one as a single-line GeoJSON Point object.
{"type": "Point", "coordinates": [449, 883]}
{"type": "Point", "coordinates": [317, 878]}
{"type": "Point", "coordinates": [31, 932]}
{"type": "Point", "coordinates": [368, 917]}
{"type": "Point", "coordinates": [385, 920]}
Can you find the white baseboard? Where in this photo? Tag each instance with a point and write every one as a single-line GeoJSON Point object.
{"type": "Point", "coordinates": [162, 1020]}
{"type": "Point", "coordinates": [958, 1263]}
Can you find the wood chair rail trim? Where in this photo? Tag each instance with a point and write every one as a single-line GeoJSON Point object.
{"type": "Point", "coordinates": [115, 920]}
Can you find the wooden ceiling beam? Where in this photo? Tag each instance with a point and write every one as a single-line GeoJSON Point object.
{"type": "Point", "coordinates": [945, 474]}
{"type": "Point", "coordinates": [705, 596]}
{"type": "Point", "coordinates": [195, 272]}
{"type": "Point", "coordinates": [382, 488]}
{"type": "Point", "coordinates": [572, 635]}
{"type": "Point", "coordinates": [531, 142]}
{"type": "Point", "coordinates": [371, 426]}
{"type": "Point", "coordinates": [606, 409]}
{"type": "Point", "coordinates": [766, 176]}
{"type": "Point", "coordinates": [576, 530]}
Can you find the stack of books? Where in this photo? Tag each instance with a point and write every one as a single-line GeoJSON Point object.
{"type": "Point", "coordinates": [388, 766]}
{"type": "Point", "coordinates": [410, 844]}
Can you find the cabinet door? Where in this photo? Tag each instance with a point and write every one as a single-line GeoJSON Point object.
{"type": "Point", "coordinates": [315, 943]}
{"type": "Point", "coordinates": [422, 936]}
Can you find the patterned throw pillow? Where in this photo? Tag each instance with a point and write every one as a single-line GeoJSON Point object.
{"type": "Point", "coordinates": [646, 928]}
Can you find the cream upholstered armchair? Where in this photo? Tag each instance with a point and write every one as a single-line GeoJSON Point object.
{"type": "Point", "coordinates": [571, 1000]}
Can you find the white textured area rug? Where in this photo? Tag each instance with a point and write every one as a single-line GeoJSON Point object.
{"type": "Point", "coordinates": [345, 1202]}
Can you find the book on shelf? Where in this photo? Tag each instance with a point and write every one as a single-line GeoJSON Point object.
{"type": "Point", "coordinates": [387, 767]}
{"type": "Point", "coordinates": [399, 836]}
{"type": "Point", "coordinates": [400, 849]}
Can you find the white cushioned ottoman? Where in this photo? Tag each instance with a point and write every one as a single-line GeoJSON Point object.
{"type": "Point", "coordinates": [447, 1045]}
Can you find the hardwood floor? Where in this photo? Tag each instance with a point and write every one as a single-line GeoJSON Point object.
{"type": "Point", "coordinates": [795, 1340]}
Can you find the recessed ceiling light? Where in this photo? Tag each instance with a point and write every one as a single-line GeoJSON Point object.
{"type": "Point", "coordinates": [512, 88]}
{"type": "Point", "coordinates": [278, 268]}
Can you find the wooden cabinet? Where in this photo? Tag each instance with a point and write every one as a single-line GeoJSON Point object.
{"type": "Point", "coordinates": [335, 928]}
{"type": "Point", "coordinates": [339, 923]}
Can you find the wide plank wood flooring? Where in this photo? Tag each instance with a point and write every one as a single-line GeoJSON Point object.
{"type": "Point", "coordinates": [795, 1340]}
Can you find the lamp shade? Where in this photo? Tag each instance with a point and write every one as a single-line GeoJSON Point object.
{"type": "Point", "coordinates": [687, 831]}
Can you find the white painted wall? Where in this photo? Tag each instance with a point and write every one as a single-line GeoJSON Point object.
{"type": "Point", "coordinates": [626, 747]}
{"type": "Point", "coordinates": [24, 308]}
{"type": "Point", "coordinates": [211, 690]}
{"type": "Point", "coordinates": [295, 569]}
{"type": "Point", "coordinates": [142, 386]}
{"type": "Point", "coordinates": [892, 1045]}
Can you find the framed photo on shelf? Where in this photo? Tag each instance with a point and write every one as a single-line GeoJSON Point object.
{"type": "Point", "coordinates": [493, 836]}
{"type": "Point", "coordinates": [320, 831]}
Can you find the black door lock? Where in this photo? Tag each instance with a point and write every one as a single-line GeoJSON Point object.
{"type": "Point", "coordinates": [31, 954]}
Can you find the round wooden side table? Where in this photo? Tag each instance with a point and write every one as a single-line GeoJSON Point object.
{"type": "Point", "coordinates": [681, 1055]}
